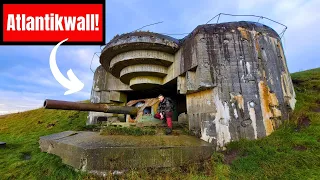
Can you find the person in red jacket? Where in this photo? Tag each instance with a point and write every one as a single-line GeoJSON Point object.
{"type": "Point", "coordinates": [165, 112]}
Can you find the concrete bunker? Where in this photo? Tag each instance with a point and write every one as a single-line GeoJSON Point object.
{"type": "Point", "coordinates": [228, 80]}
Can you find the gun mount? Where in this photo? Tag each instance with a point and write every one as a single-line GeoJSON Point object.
{"type": "Point", "coordinates": [66, 105]}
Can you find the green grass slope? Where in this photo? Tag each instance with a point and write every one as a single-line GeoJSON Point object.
{"type": "Point", "coordinates": [22, 158]}
{"type": "Point", "coordinates": [291, 152]}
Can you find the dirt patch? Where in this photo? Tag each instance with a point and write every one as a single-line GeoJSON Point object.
{"type": "Point", "coordinates": [230, 156]}
{"type": "Point", "coordinates": [303, 122]}
{"type": "Point", "coordinates": [300, 148]}
{"type": "Point", "coordinates": [50, 125]}
{"type": "Point", "coordinates": [25, 156]}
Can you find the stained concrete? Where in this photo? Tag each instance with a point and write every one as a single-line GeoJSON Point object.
{"type": "Point", "coordinates": [106, 89]}
{"type": "Point", "coordinates": [234, 76]}
{"type": "Point", "coordinates": [91, 152]}
{"type": "Point", "coordinates": [243, 64]}
{"type": "Point", "coordinates": [137, 41]}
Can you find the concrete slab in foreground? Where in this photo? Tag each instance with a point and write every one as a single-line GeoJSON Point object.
{"type": "Point", "coordinates": [92, 152]}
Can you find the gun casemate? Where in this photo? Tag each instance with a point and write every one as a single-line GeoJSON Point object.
{"type": "Point", "coordinates": [227, 81]}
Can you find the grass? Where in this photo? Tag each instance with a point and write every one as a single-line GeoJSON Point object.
{"type": "Point", "coordinates": [134, 131]}
{"type": "Point", "coordinates": [291, 152]}
{"type": "Point", "coordinates": [21, 132]}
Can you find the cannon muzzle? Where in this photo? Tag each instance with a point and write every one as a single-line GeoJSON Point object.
{"type": "Point", "coordinates": [66, 105]}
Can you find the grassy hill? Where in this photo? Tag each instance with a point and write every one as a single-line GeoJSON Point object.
{"type": "Point", "coordinates": [292, 152]}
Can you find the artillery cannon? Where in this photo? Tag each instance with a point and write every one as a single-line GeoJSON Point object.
{"type": "Point", "coordinates": [67, 105]}
{"type": "Point", "coordinates": [141, 110]}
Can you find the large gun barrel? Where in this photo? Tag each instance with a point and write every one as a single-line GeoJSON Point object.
{"type": "Point", "coordinates": [66, 105]}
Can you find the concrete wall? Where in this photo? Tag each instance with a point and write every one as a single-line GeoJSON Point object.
{"type": "Point", "coordinates": [234, 76]}
{"type": "Point", "coordinates": [251, 90]}
{"type": "Point", "coordinates": [106, 89]}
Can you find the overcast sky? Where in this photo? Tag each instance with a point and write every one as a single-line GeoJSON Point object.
{"type": "Point", "coordinates": [25, 76]}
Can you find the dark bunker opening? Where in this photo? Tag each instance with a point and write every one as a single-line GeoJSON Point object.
{"type": "Point", "coordinates": [168, 90]}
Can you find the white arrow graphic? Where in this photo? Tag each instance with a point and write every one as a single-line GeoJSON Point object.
{"type": "Point", "coordinates": [74, 84]}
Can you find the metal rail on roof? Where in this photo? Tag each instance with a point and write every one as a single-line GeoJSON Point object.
{"type": "Point", "coordinates": [260, 17]}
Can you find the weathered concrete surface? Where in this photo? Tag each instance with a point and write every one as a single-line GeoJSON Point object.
{"type": "Point", "coordinates": [145, 82]}
{"type": "Point", "coordinates": [104, 81]}
{"type": "Point", "coordinates": [234, 75]}
{"type": "Point", "coordinates": [137, 57]}
{"type": "Point", "coordinates": [137, 41]}
{"type": "Point", "coordinates": [94, 117]}
{"type": "Point", "coordinates": [105, 89]}
{"type": "Point", "coordinates": [152, 70]}
{"type": "Point", "coordinates": [91, 152]}
{"type": "Point", "coordinates": [244, 65]}
{"type": "Point", "coordinates": [183, 119]}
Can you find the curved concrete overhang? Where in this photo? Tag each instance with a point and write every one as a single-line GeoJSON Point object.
{"type": "Point", "coordinates": [137, 57]}
{"type": "Point", "coordinates": [145, 82]}
{"type": "Point", "coordinates": [130, 72]}
{"type": "Point", "coordinates": [137, 41]}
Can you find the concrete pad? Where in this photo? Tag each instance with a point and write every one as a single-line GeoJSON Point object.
{"type": "Point", "coordinates": [95, 153]}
